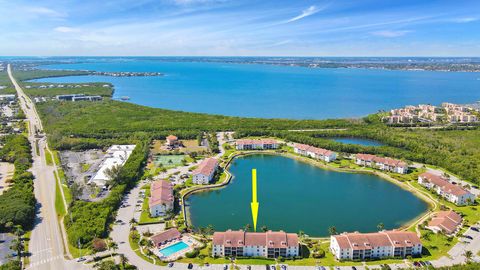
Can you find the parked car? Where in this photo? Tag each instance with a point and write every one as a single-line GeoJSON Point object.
{"type": "Point", "coordinates": [170, 264]}
{"type": "Point", "coordinates": [81, 259]}
{"type": "Point", "coordinates": [468, 237]}
{"type": "Point", "coordinates": [190, 266]}
{"type": "Point", "coordinates": [417, 264]}
{"type": "Point", "coordinates": [283, 267]}
{"type": "Point", "coordinates": [249, 267]}
{"type": "Point", "coordinates": [354, 268]}
{"type": "Point", "coordinates": [272, 267]}
{"type": "Point", "coordinates": [225, 267]}
{"type": "Point", "coordinates": [475, 229]}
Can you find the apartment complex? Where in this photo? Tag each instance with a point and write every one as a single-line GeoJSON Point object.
{"type": "Point", "coordinates": [260, 144]}
{"type": "Point", "coordinates": [205, 171]}
{"type": "Point", "coordinates": [314, 152]}
{"type": "Point", "coordinates": [447, 222]}
{"type": "Point", "coordinates": [381, 163]}
{"type": "Point", "coordinates": [361, 246]}
{"type": "Point", "coordinates": [450, 112]}
{"type": "Point", "coordinates": [255, 244]}
{"type": "Point", "coordinates": [161, 198]}
{"type": "Point", "coordinates": [451, 192]}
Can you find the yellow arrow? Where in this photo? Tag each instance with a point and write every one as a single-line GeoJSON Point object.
{"type": "Point", "coordinates": [254, 204]}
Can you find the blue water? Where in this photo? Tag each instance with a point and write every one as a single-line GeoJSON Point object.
{"type": "Point", "coordinates": [173, 249]}
{"type": "Point", "coordinates": [295, 195]}
{"type": "Point", "coordinates": [278, 91]}
{"type": "Point", "coordinates": [364, 142]}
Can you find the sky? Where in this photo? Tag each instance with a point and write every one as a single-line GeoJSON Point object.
{"type": "Point", "coordinates": [239, 28]}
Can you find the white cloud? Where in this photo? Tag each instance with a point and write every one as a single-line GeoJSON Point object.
{"type": "Point", "coordinates": [43, 11]}
{"type": "Point", "coordinates": [305, 13]}
{"type": "Point", "coordinates": [66, 29]}
{"type": "Point", "coordinates": [465, 20]}
{"type": "Point", "coordinates": [390, 33]}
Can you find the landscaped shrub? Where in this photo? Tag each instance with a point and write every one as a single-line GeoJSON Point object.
{"type": "Point", "coordinates": [99, 244]}
{"type": "Point", "coordinates": [192, 254]}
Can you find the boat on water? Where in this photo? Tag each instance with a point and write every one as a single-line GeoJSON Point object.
{"type": "Point", "coordinates": [125, 98]}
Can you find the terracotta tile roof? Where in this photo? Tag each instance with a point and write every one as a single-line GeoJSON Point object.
{"type": "Point", "coordinates": [161, 192]}
{"type": "Point", "coordinates": [448, 221]}
{"type": "Point", "coordinates": [444, 184]}
{"type": "Point", "coordinates": [384, 160]}
{"type": "Point", "coordinates": [363, 241]}
{"type": "Point", "coordinates": [315, 150]}
{"type": "Point", "coordinates": [255, 141]}
{"type": "Point", "coordinates": [167, 235]}
{"type": "Point", "coordinates": [207, 166]}
{"type": "Point", "coordinates": [268, 239]}
{"type": "Point", "coordinates": [172, 138]}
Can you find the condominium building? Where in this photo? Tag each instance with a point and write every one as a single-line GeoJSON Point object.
{"type": "Point", "coordinates": [447, 222]}
{"type": "Point", "coordinates": [161, 198]}
{"type": "Point", "coordinates": [362, 246]}
{"type": "Point", "coordinates": [451, 192]}
{"type": "Point", "coordinates": [314, 152]}
{"type": "Point", "coordinates": [381, 163]}
{"type": "Point", "coordinates": [205, 171]}
{"type": "Point", "coordinates": [260, 144]}
{"type": "Point", "coordinates": [255, 244]}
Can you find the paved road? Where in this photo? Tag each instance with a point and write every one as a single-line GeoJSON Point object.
{"type": "Point", "coordinates": [46, 242]}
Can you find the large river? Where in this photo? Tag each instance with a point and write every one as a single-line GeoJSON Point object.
{"type": "Point", "coordinates": [295, 196]}
{"type": "Point", "coordinates": [277, 91]}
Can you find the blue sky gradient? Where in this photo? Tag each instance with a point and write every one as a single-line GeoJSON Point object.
{"type": "Point", "coordinates": [240, 28]}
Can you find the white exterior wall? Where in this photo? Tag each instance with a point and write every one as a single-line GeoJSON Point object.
{"type": "Point", "coordinates": [217, 251]}
{"type": "Point", "coordinates": [202, 179]}
{"type": "Point", "coordinates": [160, 209]}
{"type": "Point", "coordinates": [254, 251]}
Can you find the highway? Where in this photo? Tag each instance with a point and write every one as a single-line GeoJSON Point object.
{"type": "Point", "coordinates": [46, 242]}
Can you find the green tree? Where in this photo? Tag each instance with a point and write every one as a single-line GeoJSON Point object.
{"type": "Point", "coordinates": [381, 226]}
{"type": "Point", "coordinates": [332, 230]}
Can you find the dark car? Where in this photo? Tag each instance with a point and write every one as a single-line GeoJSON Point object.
{"type": "Point", "coordinates": [283, 267]}
{"type": "Point", "coordinates": [475, 229]}
{"type": "Point", "coordinates": [468, 237]}
{"type": "Point", "coordinates": [354, 268]}
{"type": "Point", "coordinates": [249, 267]}
{"type": "Point", "coordinates": [170, 264]}
{"type": "Point", "coordinates": [190, 266]}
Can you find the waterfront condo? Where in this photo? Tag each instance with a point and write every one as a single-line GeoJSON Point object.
{"type": "Point", "coordinates": [261, 144]}
{"type": "Point", "coordinates": [363, 246]}
{"type": "Point", "coordinates": [451, 192]}
{"type": "Point", "coordinates": [161, 198]}
{"type": "Point", "coordinates": [381, 163]}
{"type": "Point", "coordinates": [205, 171]}
{"type": "Point", "coordinates": [255, 244]}
{"type": "Point", "coordinates": [315, 152]}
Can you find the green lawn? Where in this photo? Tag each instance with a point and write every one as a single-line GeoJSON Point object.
{"type": "Point", "coordinates": [145, 215]}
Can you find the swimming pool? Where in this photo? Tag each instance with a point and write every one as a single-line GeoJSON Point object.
{"type": "Point", "coordinates": [173, 248]}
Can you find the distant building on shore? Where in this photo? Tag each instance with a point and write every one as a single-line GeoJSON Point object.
{"type": "Point", "coordinates": [255, 244]}
{"type": "Point", "coordinates": [381, 163]}
{"type": "Point", "coordinates": [161, 198]}
{"type": "Point", "coordinates": [78, 97]}
{"type": "Point", "coordinates": [315, 152]}
{"type": "Point", "coordinates": [361, 246]}
{"type": "Point", "coordinates": [451, 192]}
{"type": "Point", "coordinates": [204, 173]}
{"type": "Point", "coordinates": [447, 222]}
{"type": "Point", "coordinates": [260, 144]}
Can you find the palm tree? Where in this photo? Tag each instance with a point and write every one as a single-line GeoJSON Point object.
{"type": "Point", "coordinates": [264, 228]}
{"type": "Point", "coordinates": [132, 223]}
{"type": "Point", "coordinates": [380, 226]}
{"type": "Point", "coordinates": [123, 260]}
{"type": "Point", "coordinates": [468, 255]}
{"type": "Point", "coordinates": [246, 227]}
{"type": "Point", "coordinates": [332, 230]}
{"type": "Point", "coordinates": [17, 245]}
{"type": "Point", "coordinates": [209, 229]}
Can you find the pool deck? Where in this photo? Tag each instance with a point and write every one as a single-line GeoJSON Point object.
{"type": "Point", "coordinates": [192, 243]}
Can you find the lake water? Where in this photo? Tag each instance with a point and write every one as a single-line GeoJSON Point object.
{"type": "Point", "coordinates": [277, 91]}
{"type": "Point", "coordinates": [295, 196]}
{"type": "Point", "coordinates": [364, 142]}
